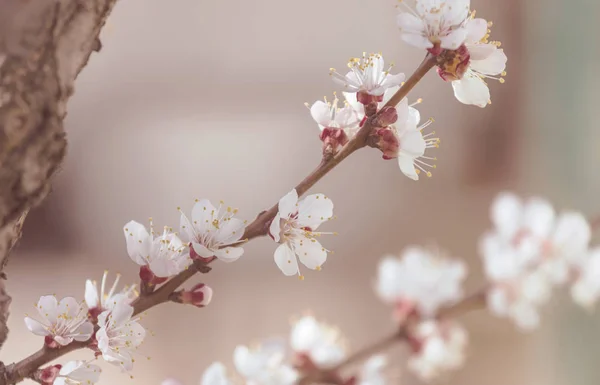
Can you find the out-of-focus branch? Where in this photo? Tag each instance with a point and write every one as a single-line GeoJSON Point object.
{"type": "Point", "coordinates": [331, 376]}
{"type": "Point", "coordinates": [43, 46]}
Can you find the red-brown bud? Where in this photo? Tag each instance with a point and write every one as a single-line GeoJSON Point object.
{"type": "Point", "coordinates": [387, 116]}
{"type": "Point", "coordinates": [454, 64]}
{"type": "Point", "coordinates": [199, 296]}
{"type": "Point", "coordinates": [387, 141]}
{"type": "Point", "coordinates": [148, 276]}
{"type": "Point", "coordinates": [333, 139]}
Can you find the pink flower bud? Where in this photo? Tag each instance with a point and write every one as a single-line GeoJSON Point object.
{"type": "Point", "coordinates": [148, 276]}
{"type": "Point", "coordinates": [387, 116]}
{"type": "Point", "coordinates": [333, 139]}
{"type": "Point", "coordinates": [455, 64]}
{"type": "Point", "coordinates": [387, 142]}
{"type": "Point", "coordinates": [48, 375]}
{"type": "Point", "coordinates": [199, 296]}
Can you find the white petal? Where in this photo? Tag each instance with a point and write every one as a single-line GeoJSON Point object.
{"type": "Point", "coordinates": [407, 166]}
{"type": "Point", "coordinates": [287, 204]}
{"type": "Point", "coordinates": [412, 143]}
{"type": "Point", "coordinates": [471, 89]}
{"type": "Point", "coordinates": [68, 306]}
{"type": "Point", "coordinates": [286, 260]}
{"type": "Point", "coordinates": [393, 80]}
{"type": "Point", "coordinates": [414, 116]}
{"type": "Point", "coordinates": [311, 253]}
{"type": "Point", "coordinates": [215, 374]}
{"type": "Point", "coordinates": [506, 214]}
{"type": "Point", "coordinates": [203, 213]}
{"type": "Point", "coordinates": [84, 332]}
{"type": "Point", "coordinates": [244, 361]}
{"type": "Point", "coordinates": [410, 23]}
{"type": "Point", "coordinates": [494, 64]}
{"type": "Point", "coordinates": [36, 327]}
{"type": "Point", "coordinates": [48, 308]}
{"type": "Point", "coordinates": [202, 250]}
{"type": "Point", "coordinates": [454, 39]}
{"type": "Point", "coordinates": [480, 53]}
{"type": "Point", "coordinates": [572, 235]}
{"type": "Point", "coordinates": [321, 113]}
{"type": "Point", "coordinates": [186, 229]}
{"type": "Point", "coordinates": [275, 228]}
{"type": "Point", "coordinates": [387, 95]}
{"type": "Point", "coordinates": [229, 254]}
{"type": "Point", "coordinates": [355, 104]}
{"type": "Point", "coordinates": [138, 241]}
{"type": "Point", "coordinates": [314, 210]}
{"type": "Point", "coordinates": [538, 217]}
{"type": "Point", "coordinates": [417, 40]}
{"type": "Point", "coordinates": [121, 313]}
{"type": "Point", "coordinates": [230, 231]}
{"type": "Point", "coordinates": [403, 113]}
{"type": "Point", "coordinates": [91, 294]}
{"type": "Point", "coordinates": [306, 334]}
{"type": "Point", "coordinates": [476, 30]}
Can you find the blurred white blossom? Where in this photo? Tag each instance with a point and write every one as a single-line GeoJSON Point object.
{"type": "Point", "coordinates": [319, 342]}
{"type": "Point", "coordinates": [586, 289]}
{"type": "Point", "coordinates": [294, 227]}
{"type": "Point", "coordinates": [62, 322]}
{"type": "Point", "coordinates": [328, 114]}
{"type": "Point", "coordinates": [213, 231]}
{"type": "Point", "coordinates": [422, 279]}
{"type": "Point", "coordinates": [264, 365]}
{"type": "Point", "coordinates": [439, 347]}
{"type": "Point", "coordinates": [372, 371]}
{"type": "Point", "coordinates": [119, 335]}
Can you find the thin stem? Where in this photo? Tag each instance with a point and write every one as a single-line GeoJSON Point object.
{"type": "Point", "coordinates": [25, 368]}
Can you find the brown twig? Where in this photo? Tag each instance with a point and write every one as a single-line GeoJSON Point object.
{"type": "Point", "coordinates": [25, 368]}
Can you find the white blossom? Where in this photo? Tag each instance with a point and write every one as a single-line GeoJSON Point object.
{"type": "Point", "coordinates": [586, 289]}
{"type": "Point", "coordinates": [435, 24]}
{"type": "Point", "coordinates": [367, 75]}
{"type": "Point", "coordinates": [421, 279]}
{"type": "Point", "coordinates": [119, 335]}
{"type": "Point", "coordinates": [213, 231]}
{"type": "Point", "coordinates": [294, 227]}
{"type": "Point", "coordinates": [64, 322]}
{"type": "Point", "coordinates": [165, 255]}
{"type": "Point", "coordinates": [372, 371]}
{"type": "Point", "coordinates": [263, 365]}
{"type": "Point", "coordinates": [405, 139]}
{"type": "Point", "coordinates": [329, 115]}
{"type": "Point", "coordinates": [486, 61]}
{"type": "Point", "coordinates": [441, 348]}
{"type": "Point", "coordinates": [215, 374]}
{"type": "Point", "coordinates": [78, 373]}
{"type": "Point", "coordinates": [321, 343]}
{"type": "Point", "coordinates": [101, 300]}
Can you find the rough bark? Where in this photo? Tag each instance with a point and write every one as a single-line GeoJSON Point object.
{"type": "Point", "coordinates": [44, 44]}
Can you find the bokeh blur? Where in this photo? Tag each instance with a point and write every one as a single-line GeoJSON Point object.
{"type": "Point", "coordinates": [204, 99]}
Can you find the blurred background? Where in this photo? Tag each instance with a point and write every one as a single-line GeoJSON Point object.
{"type": "Point", "coordinates": [204, 99]}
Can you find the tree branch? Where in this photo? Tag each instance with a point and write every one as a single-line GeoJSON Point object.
{"type": "Point", "coordinates": [43, 47]}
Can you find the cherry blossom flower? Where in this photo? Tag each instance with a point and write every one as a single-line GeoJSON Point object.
{"type": "Point", "coordinates": [403, 140]}
{"type": "Point", "coordinates": [264, 365]}
{"type": "Point", "coordinates": [78, 373]}
{"type": "Point", "coordinates": [294, 227]}
{"type": "Point", "coordinates": [435, 25]}
{"type": "Point", "coordinates": [439, 347]}
{"type": "Point", "coordinates": [337, 124]}
{"type": "Point", "coordinates": [372, 371]}
{"type": "Point", "coordinates": [99, 301]}
{"type": "Point", "coordinates": [213, 231]}
{"type": "Point", "coordinates": [586, 289]}
{"type": "Point", "coordinates": [164, 255]}
{"type": "Point", "coordinates": [520, 299]}
{"type": "Point", "coordinates": [320, 343]}
{"type": "Point", "coordinates": [367, 78]}
{"type": "Point", "coordinates": [422, 279]}
{"type": "Point", "coordinates": [215, 374]}
{"type": "Point", "coordinates": [62, 322]}
{"type": "Point", "coordinates": [119, 335]}
{"type": "Point", "coordinates": [483, 61]}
